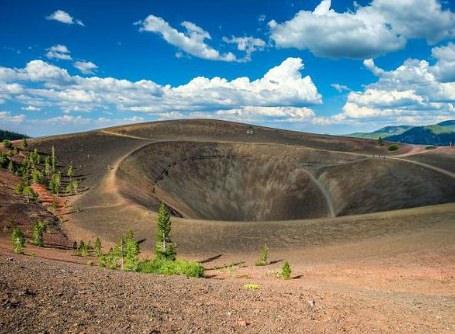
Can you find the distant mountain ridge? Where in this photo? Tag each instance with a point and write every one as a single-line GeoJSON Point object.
{"type": "Point", "coordinates": [440, 134]}
{"type": "Point", "coordinates": [4, 134]}
{"type": "Point", "coordinates": [383, 132]}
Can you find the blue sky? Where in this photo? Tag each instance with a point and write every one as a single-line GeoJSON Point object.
{"type": "Point", "coordinates": [321, 66]}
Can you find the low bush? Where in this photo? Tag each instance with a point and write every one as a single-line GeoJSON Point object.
{"type": "Point", "coordinates": [393, 147]}
{"type": "Point", "coordinates": [168, 267]}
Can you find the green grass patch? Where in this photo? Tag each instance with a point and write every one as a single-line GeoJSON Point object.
{"type": "Point", "coordinates": [251, 286]}
{"type": "Point", "coordinates": [168, 267]}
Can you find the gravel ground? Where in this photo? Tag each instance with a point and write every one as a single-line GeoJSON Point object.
{"type": "Point", "coordinates": [42, 296]}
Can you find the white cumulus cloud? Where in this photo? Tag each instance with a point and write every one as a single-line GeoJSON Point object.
{"type": "Point", "coordinates": [282, 92]}
{"type": "Point", "coordinates": [368, 31]}
{"type": "Point", "coordinates": [63, 17]}
{"type": "Point", "coordinates": [445, 66]}
{"type": "Point", "coordinates": [7, 117]}
{"type": "Point", "coordinates": [58, 51]}
{"type": "Point", "coordinates": [246, 44]}
{"type": "Point", "coordinates": [192, 40]}
{"type": "Point", "coordinates": [414, 91]}
{"type": "Point", "coordinates": [340, 88]}
{"type": "Point", "coordinates": [85, 67]}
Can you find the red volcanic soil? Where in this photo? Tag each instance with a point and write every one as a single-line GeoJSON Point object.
{"type": "Point", "coordinates": [409, 293]}
{"type": "Point", "coordinates": [15, 211]}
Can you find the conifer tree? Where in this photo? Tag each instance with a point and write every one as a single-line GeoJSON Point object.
{"type": "Point", "coordinates": [69, 172]}
{"type": "Point", "coordinates": [18, 240]}
{"type": "Point", "coordinates": [38, 233]}
{"type": "Point", "coordinates": [75, 248]}
{"type": "Point", "coordinates": [131, 251]}
{"type": "Point", "coordinates": [54, 184]}
{"type": "Point", "coordinates": [83, 249]}
{"type": "Point", "coordinates": [263, 257]}
{"type": "Point", "coordinates": [47, 166]}
{"type": "Point", "coordinates": [98, 248]}
{"type": "Point", "coordinates": [53, 159]}
{"type": "Point", "coordinates": [36, 175]}
{"type": "Point", "coordinates": [164, 247]}
{"type": "Point", "coordinates": [286, 271]}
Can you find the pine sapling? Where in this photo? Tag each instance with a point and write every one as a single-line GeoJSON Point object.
{"type": "Point", "coordinates": [286, 271]}
{"type": "Point", "coordinates": [164, 247]}
{"type": "Point", "coordinates": [263, 257]}
{"type": "Point", "coordinates": [38, 233]}
{"type": "Point", "coordinates": [18, 240]}
{"type": "Point", "coordinates": [98, 248]}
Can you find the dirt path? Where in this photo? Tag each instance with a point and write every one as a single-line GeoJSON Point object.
{"type": "Point", "coordinates": [112, 133]}
{"type": "Point", "coordinates": [422, 164]}
{"type": "Point", "coordinates": [324, 192]}
{"type": "Point", "coordinates": [416, 149]}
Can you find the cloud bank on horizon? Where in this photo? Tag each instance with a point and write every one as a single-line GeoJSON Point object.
{"type": "Point", "coordinates": [62, 91]}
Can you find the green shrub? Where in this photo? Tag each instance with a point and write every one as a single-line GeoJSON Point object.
{"type": "Point", "coordinates": [168, 267]}
{"type": "Point", "coordinates": [286, 271]}
{"type": "Point", "coordinates": [20, 188]}
{"type": "Point", "coordinates": [18, 240]}
{"type": "Point", "coordinates": [263, 257]}
{"type": "Point", "coordinates": [393, 147]}
{"type": "Point", "coordinates": [29, 193]}
{"type": "Point", "coordinates": [38, 232]}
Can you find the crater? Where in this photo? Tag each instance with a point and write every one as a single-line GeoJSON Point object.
{"type": "Point", "coordinates": [263, 182]}
{"type": "Point", "coordinates": [226, 181]}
